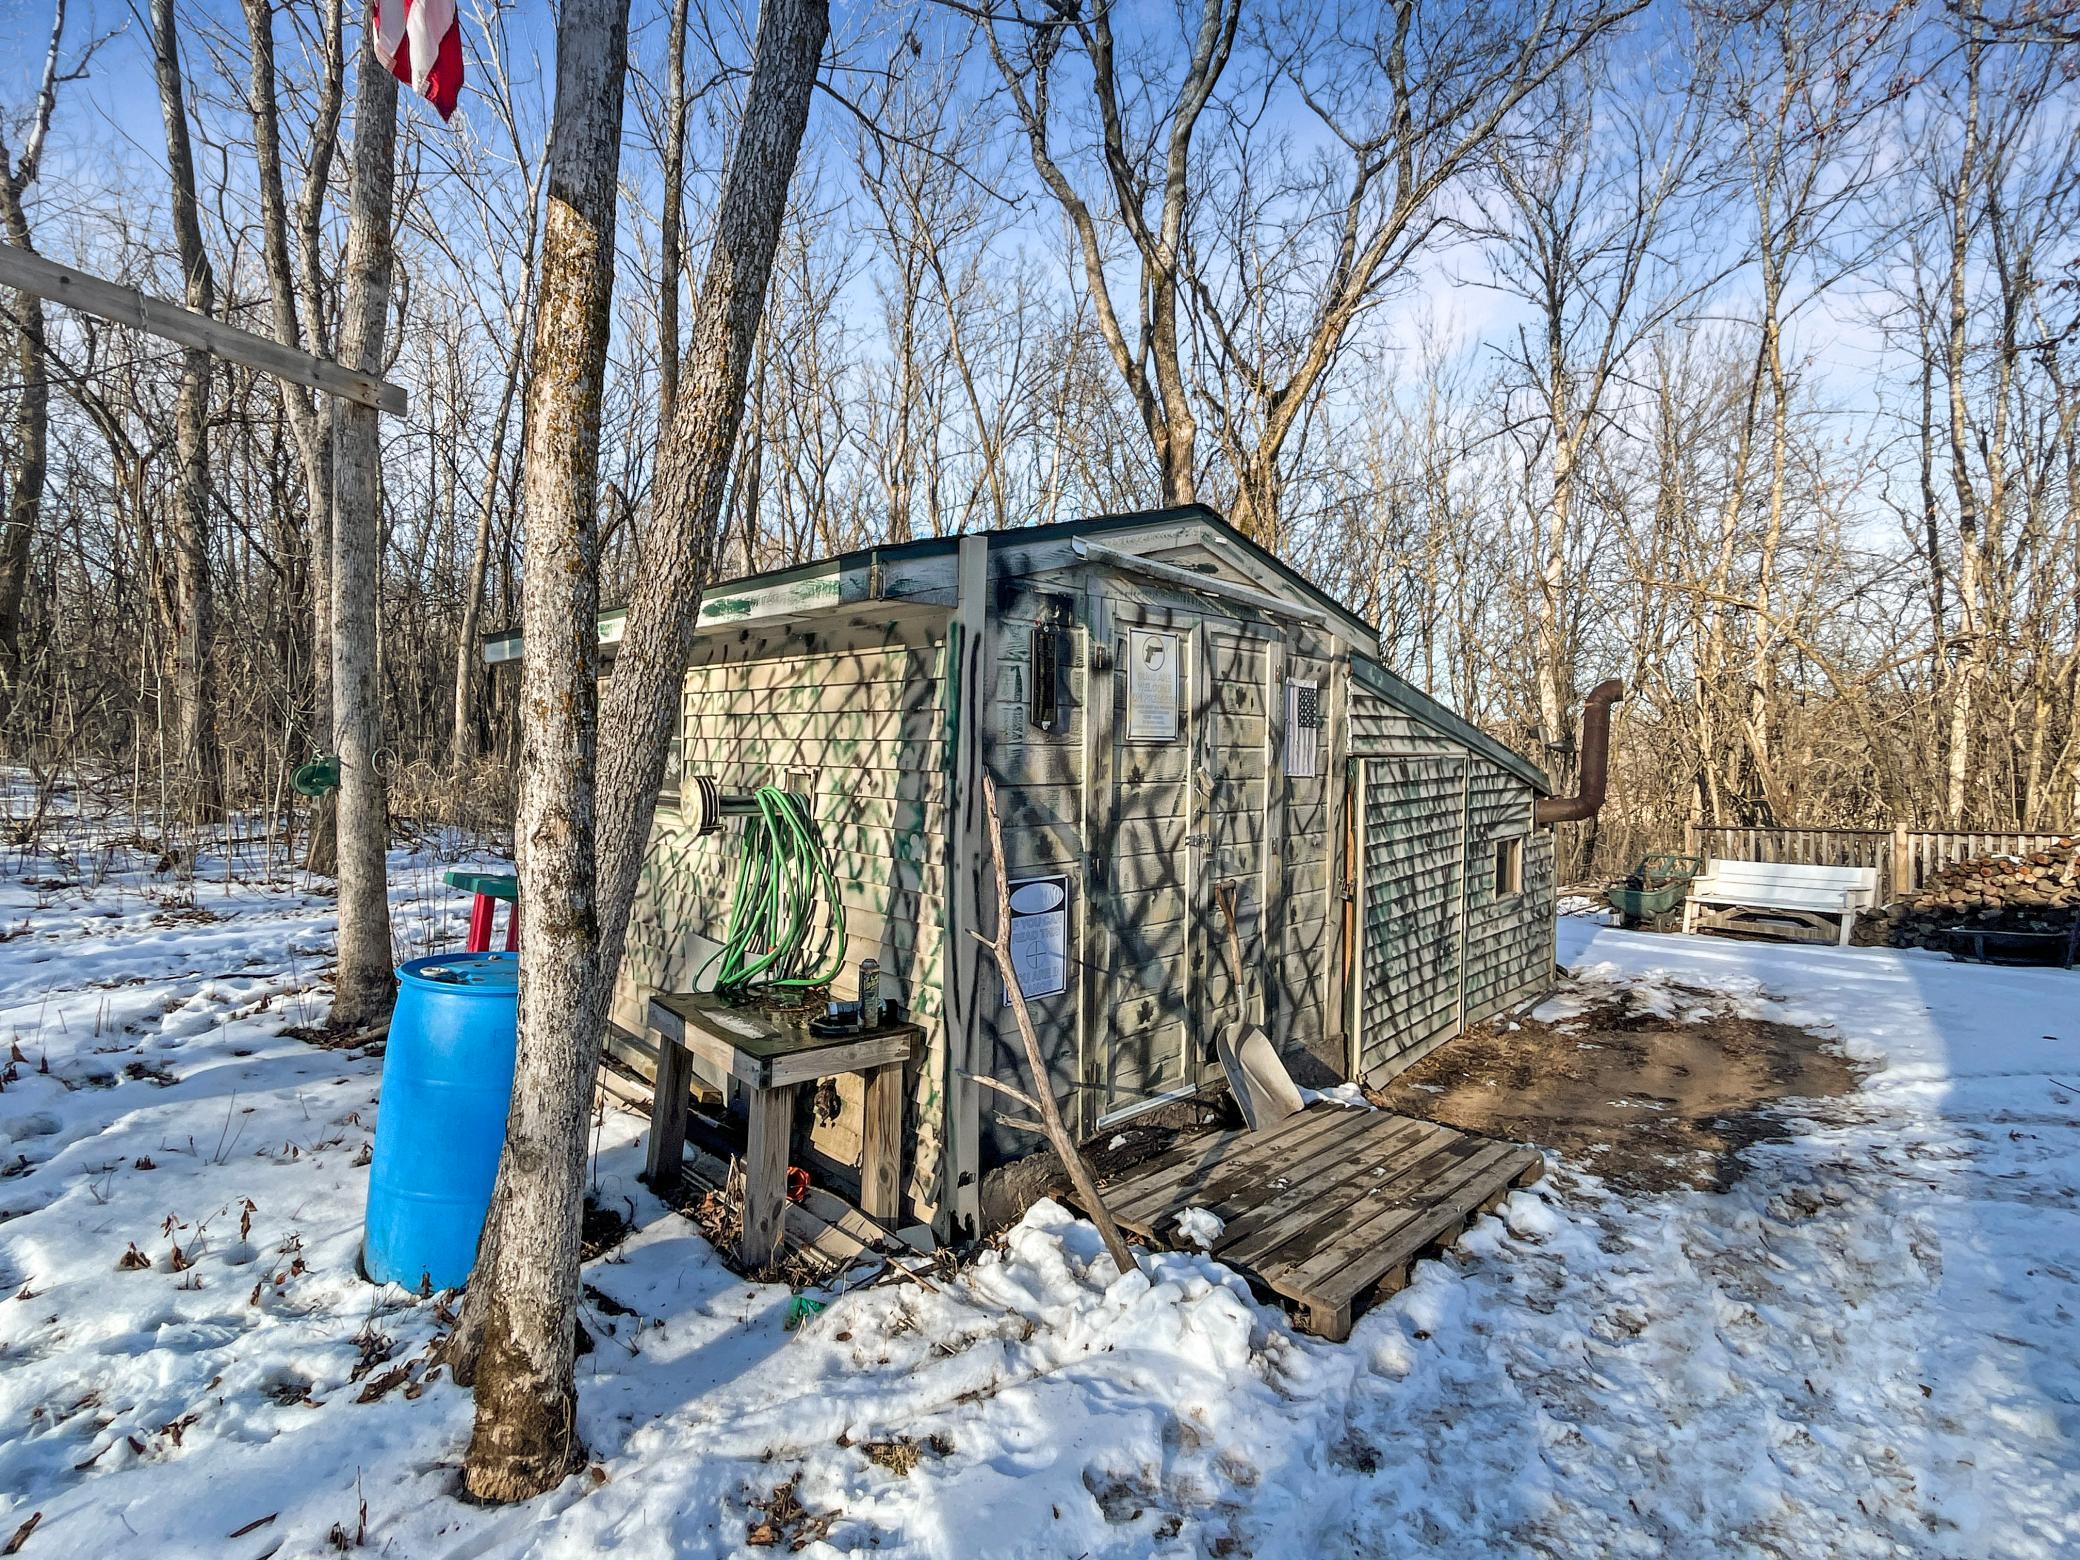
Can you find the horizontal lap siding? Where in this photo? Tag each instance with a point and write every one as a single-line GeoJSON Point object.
{"type": "Point", "coordinates": [857, 720]}
{"type": "Point", "coordinates": [1411, 903]}
{"type": "Point", "coordinates": [1378, 727]}
{"type": "Point", "coordinates": [1508, 953]}
{"type": "Point", "coordinates": [1507, 956]}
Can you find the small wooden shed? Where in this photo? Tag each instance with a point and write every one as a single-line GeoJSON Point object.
{"type": "Point", "coordinates": [1162, 705]}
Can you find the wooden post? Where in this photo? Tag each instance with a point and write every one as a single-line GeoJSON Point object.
{"type": "Point", "coordinates": [27, 271]}
{"type": "Point", "coordinates": [881, 1145]}
{"type": "Point", "coordinates": [668, 1111]}
{"type": "Point", "coordinates": [1902, 863]}
{"type": "Point", "coordinates": [1271, 848]}
{"type": "Point", "coordinates": [964, 1030]}
{"type": "Point", "coordinates": [1098, 945]}
{"type": "Point", "coordinates": [765, 1175]}
{"type": "Point", "coordinates": [1337, 864]}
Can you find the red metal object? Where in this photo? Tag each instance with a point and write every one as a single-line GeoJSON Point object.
{"type": "Point", "coordinates": [513, 927]}
{"type": "Point", "coordinates": [480, 924]}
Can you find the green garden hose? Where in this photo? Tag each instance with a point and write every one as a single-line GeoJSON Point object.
{"type": "Point", "coordinates": [782, 875]}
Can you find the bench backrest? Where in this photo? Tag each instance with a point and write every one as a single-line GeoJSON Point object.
{"type": "Point", "coordinates": [1721, 875]}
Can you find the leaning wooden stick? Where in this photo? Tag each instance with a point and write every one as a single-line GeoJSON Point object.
{"type": "Point", "coordinates": [1041, 1101]}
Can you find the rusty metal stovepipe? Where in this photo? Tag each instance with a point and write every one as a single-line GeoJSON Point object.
{"type": "Point", "coordinates": [1596, 761]}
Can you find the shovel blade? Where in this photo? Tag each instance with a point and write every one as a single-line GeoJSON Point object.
{"type": "Point", "coordinates": [1257, 1078]}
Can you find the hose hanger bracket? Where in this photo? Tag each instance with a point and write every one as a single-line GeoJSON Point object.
{"type": "Point", "coordinates": [787, 916]}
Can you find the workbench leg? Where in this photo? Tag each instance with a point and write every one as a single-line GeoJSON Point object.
{"type": "Point", "coordinates": [881, 1151]}
{"type": "Point", "coordinates": [765, 1175]}
{"type": "Point", "coordinates": [668, 1117]}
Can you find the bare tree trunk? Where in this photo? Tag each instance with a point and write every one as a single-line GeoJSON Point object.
{"type": "Point", "coordinates": [192, 603]}
{"type": "Point", "coordinates": [364, 990]}
{"type": "Point", "coordinates": [462, 740]}
{"type": "Point", "coordinates": [642, 701]}
{"type": "Point", "coordinates": [671, 242]}
{"type": "Point", "coordinates": [29, 444]}
{"type": "Point", "coordinates": [532, 1223]}
{"type": "Point", "coordinates": [1964, 673]}
{"type": "Point", "coordinates": [526, 1282]}
{"type": "Point", "coordinates": [310, 425]}
{"type": "Point", "coordinates": [28, 462]}
{"type": "Point", "coordinates": [311, 258]}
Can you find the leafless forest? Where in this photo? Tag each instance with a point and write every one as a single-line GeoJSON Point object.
{"type": "Point", "coordinates": [1733, 351]}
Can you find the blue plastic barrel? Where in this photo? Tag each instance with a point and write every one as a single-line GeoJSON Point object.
{"type": "Point", "coordinates": [447, 1083]}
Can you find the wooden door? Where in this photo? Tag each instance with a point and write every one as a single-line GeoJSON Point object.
{"type": "Point", "coordinates": [1411, 905]}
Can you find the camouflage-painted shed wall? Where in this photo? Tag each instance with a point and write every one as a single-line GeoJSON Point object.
{"type": "Point", "coordinates": [1444, 941]}
{"type": "Point", "coordinates": [851, 712]}
{"type": "Point", "coordinates": [887, 689]}
{"type": "Point", "coordinates": [1144, 830]}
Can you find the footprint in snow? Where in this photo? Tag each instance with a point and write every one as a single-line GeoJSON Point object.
{"type": "Point", "coordinates": [22, 1129]}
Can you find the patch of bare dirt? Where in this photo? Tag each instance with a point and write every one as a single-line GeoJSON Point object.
{"type": "Point", "coordinates": [1647, 1102]}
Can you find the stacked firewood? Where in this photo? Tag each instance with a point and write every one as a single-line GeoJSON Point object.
{"type": "Point", "coordinates": [2037, 892]}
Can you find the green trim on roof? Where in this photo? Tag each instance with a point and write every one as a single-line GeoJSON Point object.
{"type": "Point", "coordinates": [1025, 535]}
{"type": "Point", "coordinates": [1365, 668]}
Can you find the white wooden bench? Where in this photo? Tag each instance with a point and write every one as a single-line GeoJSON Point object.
{"type": "Point", "coordinates": [1820, 898]}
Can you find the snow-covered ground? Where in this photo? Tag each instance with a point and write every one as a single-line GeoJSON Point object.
{"type": "Point", "coordinates": [1867, 1346]}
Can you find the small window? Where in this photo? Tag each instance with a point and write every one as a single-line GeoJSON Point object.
{"type": "Point", "coordinates": [1509, 867]}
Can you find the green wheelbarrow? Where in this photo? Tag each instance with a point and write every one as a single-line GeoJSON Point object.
{"type": "Point", "coordinates": [1655, 888]}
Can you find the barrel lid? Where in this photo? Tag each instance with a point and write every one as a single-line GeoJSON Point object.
{"type": "Point", "coordinates": [491, 974]}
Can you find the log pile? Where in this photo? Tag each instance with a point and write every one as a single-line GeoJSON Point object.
{"type": "Point", "coordinates": [2037, 892]}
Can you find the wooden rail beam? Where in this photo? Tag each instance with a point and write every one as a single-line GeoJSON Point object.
{"type": "Point", "coordinates": [26, 271]}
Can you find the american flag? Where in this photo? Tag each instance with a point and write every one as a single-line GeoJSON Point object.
{"type": "Point", "coordinates": [420, 43]}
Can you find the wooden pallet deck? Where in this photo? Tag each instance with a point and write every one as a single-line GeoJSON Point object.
{"type": "Point", "coordinates": [1328, 1210]}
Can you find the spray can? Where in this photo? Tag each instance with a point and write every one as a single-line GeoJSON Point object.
{"type": "Point", "coordinates": [869, 993]}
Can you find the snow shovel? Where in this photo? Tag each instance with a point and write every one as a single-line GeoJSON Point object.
{"type": "Point", "coordinates": [1256, 1077]}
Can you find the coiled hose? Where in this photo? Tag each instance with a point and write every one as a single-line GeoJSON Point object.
{"type": "Point", "coordinates": [782, 875]}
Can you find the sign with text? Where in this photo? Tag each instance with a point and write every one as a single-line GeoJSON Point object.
{"type": "Point", "coordinates": [1040, 935]}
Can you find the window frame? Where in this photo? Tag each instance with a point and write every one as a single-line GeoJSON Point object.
{"type": "Point", "coordinates": [1508, 879]}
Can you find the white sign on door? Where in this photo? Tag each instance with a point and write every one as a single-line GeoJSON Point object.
{"type": "Point", "coordinates": [1155, 668]}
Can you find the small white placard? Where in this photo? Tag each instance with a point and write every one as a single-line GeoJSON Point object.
{"type": "Point", "coordinates": [1155, 664]}
{"type": "Point", "coordinates": [1040, 935]}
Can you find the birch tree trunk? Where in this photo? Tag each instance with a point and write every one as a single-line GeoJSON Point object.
{"type": "Point", "coordinates": [191, 602]}
{"type": "Point", "coordinates": [1970, 573]}
{"type": "Point", "coordinates": [525, 1285]}
{"type": "Point", "coordinates": [364, 988]}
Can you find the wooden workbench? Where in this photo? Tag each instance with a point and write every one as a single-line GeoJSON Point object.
{"type": "Point", "coordinates": [771, 1054]}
